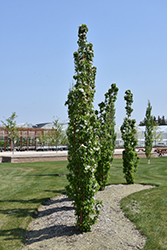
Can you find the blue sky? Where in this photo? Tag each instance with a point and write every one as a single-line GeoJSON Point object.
{"type": "Point", "coordinates": [39, 37]}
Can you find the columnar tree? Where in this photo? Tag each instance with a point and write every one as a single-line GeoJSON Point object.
{"type": "Point", "coordinates": [107, 135]}
{"type": "Point", "coordinates": [148, 132]}
{"type": "Point", "coordinates": [83, 149]}
{"type": "Point", "coordinates": [130, 157]}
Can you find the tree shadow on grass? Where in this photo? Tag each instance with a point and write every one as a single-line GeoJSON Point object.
{"type": "Point", "coordinates": [61, 175]}
{"type": "Point", "coordinates": [61, 191]}
{"type": "Point", "coordinates": [19, 212]}
{"type": "Point", "coordinates": [26, 201]}
{"type": "Point", "coordinates": [13, 234]}
{"type": "Point", "coordinates": [40, 201]}
{"type": "Point", "coordinates": [54, 175]}
{"type": "Point", "coordinates": [24, 212]}
{"type": "Point", "coordinates": [55, 230]}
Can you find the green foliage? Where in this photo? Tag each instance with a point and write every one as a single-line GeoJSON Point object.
{"type": "Point", "coordinates": [130, 157]}
{"type": "Point", "coordinates": [157, 135]}
{"type": "Point", "coordinates": [107, 135]}
{"type": "Point", "coordinates": [83, 153]}
{"type": "Point", "coordinates": [10, 128]}
{"type": "Point", "coordinates": [158, 121]}
{"type": "Point", "coordinates": [43, 139]}
{"type": "Point", "coordinates": [54, 137]}
{"type": "Point", "coordinates": [162, 121]}
{"type": "Point", "coordinates": [148, 132]}
{"type": "Point", "coordinates": [1, 142]}
{"type": "Point", "coordinates": [57, 132]}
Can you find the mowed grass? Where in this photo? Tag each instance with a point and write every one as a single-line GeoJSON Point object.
{"type": "Point", "coordinates": [147, 208]}
{"type": "Point", "coordinates": [24, 187]}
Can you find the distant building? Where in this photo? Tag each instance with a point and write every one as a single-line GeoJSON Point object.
{"type": "Point", "coordinates": [140, 136]}
{"type": "Point", "coordinates": [28, 137]}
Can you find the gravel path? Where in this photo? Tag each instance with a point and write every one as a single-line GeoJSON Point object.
{"type": "Point", "coordinates": [54, 228]}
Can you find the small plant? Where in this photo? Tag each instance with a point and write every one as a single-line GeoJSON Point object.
{"type": "Point", "coordinates": [83, 148]}
{"type": "Point", "coordinates": [107, 135]}
{"type": "Point", "coordinates": [57, 132]}
{"type": "Point", "coordinates": [148, 132]}
{"type": "Point", "coordinates": [11, 129]}
{"type": "Point", "coordinates": [157, 134]}
{"type": "Point", "coordinates": [130, 157]}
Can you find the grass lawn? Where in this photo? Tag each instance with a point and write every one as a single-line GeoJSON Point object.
{"type": "Point", "coordinates": [23, 187]}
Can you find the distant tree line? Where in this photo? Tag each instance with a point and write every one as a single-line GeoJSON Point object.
{"type": "Point", "coordinates": [157, 121]}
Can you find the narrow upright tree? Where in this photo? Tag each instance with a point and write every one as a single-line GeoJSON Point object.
{"type": "Point", "coordinates": [83, 153]}
{"type": "Point", "coordinates": [148, 134]}
{"type": "Point", "coordinates": [130, 157]}
{"type": "Point", "coordinates": [107, 135]}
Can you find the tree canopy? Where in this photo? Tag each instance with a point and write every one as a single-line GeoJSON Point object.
{"type": "Point", "coordinates": [157, 121]}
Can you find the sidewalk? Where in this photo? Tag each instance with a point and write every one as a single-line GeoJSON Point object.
{"type": "Point", "coordinates": [34, 156]}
